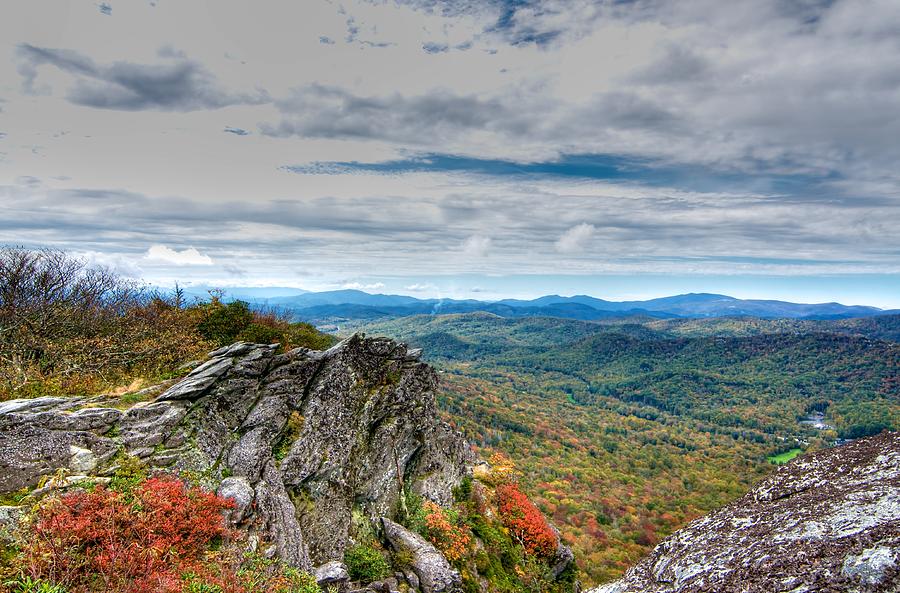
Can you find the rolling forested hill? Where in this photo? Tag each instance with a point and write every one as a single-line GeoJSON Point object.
{"type": "Point", "coordinates": [884, 327]}
{"type": "Point", "coordinates": [626, 429]}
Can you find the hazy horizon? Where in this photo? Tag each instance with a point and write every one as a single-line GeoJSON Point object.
{"type": "Point", "coordinates": [454, 292]}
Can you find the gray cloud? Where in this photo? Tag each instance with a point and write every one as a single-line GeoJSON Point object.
{"type": "Point", "coordinates": [625, 111]}
{"type": "Point", "coordinates": [782, 115]}
{"type": "Point", "coordinates": [678, 65]}
{"type": "Point", "coordinates": [176, 84]}
{"type": "Point", "coordinates": [517, 22]}
{"type": "Point", "coordinates": [318, 111]}
{"type": "Point", "coordinates": [436, 48]}
{"type": "Point", "coordinates": [235, 271]}
{"type": "Point", "coordinates": [443, 121]}
{"type": "Point", "coordinates": [382, 233]}
{"type": "Point", "coordinates": [807, 87]}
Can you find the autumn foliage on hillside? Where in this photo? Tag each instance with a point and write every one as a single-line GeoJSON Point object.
{"type": "Point", "coordinates": [71, 328]}
{"type": "Point", "coordinates": [525, 521]}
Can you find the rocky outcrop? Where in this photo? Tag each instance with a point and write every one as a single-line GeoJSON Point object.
{"type": "Point", "coordinates": [301, 441]}
{"type": "Point", "coordinates": [434, 574]}
{"type": "Point", "coordinates": [827, 522]}
{"type": "Point", "coordinates": [564, 556]}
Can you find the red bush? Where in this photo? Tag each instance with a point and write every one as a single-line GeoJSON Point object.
{"type": "Point", "coordinates": [112, 541]}
{"type": "Point", "coordinates": [525, 521]}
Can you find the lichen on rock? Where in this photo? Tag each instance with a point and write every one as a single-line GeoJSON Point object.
{"type": "Point", "coordinates": [829, 521]}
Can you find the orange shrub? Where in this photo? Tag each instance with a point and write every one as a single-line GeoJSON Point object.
{"type": "Point", "coordinates": [525, 521]}
{"type": "Point", "coordinates": [450, 539]}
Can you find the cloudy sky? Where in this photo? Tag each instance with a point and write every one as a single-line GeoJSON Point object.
{"type": "Point", "coordinates": [461, 147]}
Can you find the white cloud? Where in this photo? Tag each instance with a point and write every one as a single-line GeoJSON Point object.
{"type": "Point", "coordinates": [117, 263]}
{"type": "Point", "coordinates": [185, 257]}
{"type": "Point", "coordinates": [361, 286]}
{"type": "Point", "coordinates": [576, 239]}
{"type": "Point", "coordinates": [477, 246]}
{"type": "Point", "coordinates": [417, 287]}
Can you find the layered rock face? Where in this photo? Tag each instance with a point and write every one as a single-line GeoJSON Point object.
{"type": "Point", "coordinates": [829, 521]}
{"type": "Point", "coordinates": [302, 441]}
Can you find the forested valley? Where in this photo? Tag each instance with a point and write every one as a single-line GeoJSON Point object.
{"type": "Point", "coordinates": [623, 431]}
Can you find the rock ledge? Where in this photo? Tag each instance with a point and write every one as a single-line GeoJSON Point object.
{"type": "Point", "coordinates": [827, 522]}
{"type": "Point", "coordinates": [302, 441]}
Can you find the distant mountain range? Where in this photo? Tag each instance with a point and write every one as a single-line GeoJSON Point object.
{"type": "Point", "coordinates": [340, 306]}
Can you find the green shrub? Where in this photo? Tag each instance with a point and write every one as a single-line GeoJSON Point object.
{"type": "Point", "coordinates": [299, 581]}
{"type": "Point", "coordinates": [366, 563]}
{"type": "Point", "coordinates": [27, 585]}
{"type": "Point", "coordinates": [129, 474]}
{"type": "Point", "coordinates": [289, 434]}
{"type": "Point", "coordinates": [259, 333]}
{"type": "Point", "coordinates": [259, 574]}
{"type": "Point", "coordinates": [307, 336]}
{"type": "Point", "coordinates": [195, 584]}
{"type": "Point", "coordinates": [222, 323]}
{"type": "Point", "coordinates": [414, 519]}
{"type": "Point", "coordinates": [463, 492]}
{"type": "Point", "coordinates": [402, 558]}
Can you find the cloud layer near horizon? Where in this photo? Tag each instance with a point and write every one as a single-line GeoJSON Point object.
{"type": "Point", "coordinates": [346, 140]}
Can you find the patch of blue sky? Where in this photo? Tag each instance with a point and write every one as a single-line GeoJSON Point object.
{"type": "Point", "coordinates": [590, 166]}
{"type": "Point", "coordinates": [784, 261]}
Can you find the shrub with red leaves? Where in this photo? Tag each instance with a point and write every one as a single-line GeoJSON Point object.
{"type": "Point", "coordinates": [143, 540]}
{"type": "Point", "coordinates": [525, 521]}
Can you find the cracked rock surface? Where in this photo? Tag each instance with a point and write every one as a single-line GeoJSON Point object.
{"type": "Point", "coordinates": [827, 522]}
{"type": "Point", "coordinates": [302, 441]}
{"type": "Point", "coordinates": [433, 572]}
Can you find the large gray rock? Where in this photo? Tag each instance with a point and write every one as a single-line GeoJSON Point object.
{"type": "Point", "coordinates": [331, 573]}
{"type": "Point", "coordinates": [30, 450]}
{"type": "Point", "coordinates": [369, 426]}
{"type": "Point", "coordinates": [829, 521]}
{"type": "Point", "coordinates": [10, 516]}
{"type": "Point", "coordinates": [199, 380]}
{"type": "Point", "coordinates": [434, 573]}
{"type": "Point", "coordinates": [301, 441]}
{"type": "Point", "coordinates": [563, 558]}
{"type": "Point", "coordinates": [239, 491]}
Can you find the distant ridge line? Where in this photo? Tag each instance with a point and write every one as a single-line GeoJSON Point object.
{"type": "Point", "coordinates": [357, 304]}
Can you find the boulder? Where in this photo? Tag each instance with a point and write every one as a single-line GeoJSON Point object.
{"type": "Point", "coordinates": [331, 573]}
{"type": "Point", "coordinates": [828, 521]}
{"type": "Point", "coordinates": [10, 516]}
{"type": "Point", "coordinates": [562, 559]}
{"type": "Point", "coordinates": [241, 493]}
{"type": "Point", "coordinates": [198, 381]}
{"type": "Point", "coordinates": [434, 573]}
{"type": "Point", "coordinates": [31, 450]}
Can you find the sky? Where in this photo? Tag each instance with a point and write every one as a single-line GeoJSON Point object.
{"type": "Point", "coordinates": [461, 148]}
